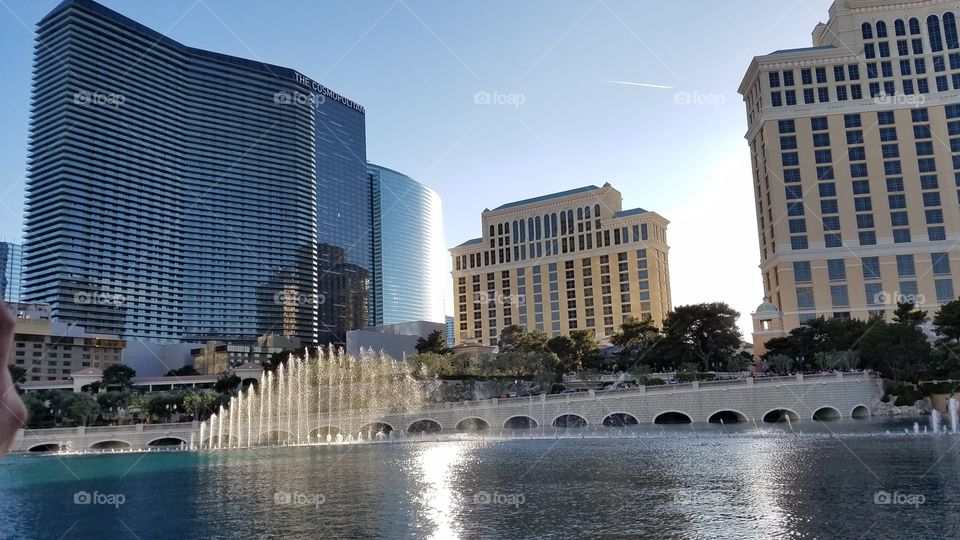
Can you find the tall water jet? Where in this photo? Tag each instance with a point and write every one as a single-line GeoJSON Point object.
{"type": "Point", "coordinates": [952, 410]}
{"type": "Point", "coordinates": [936, 419]}
{"type": "Point", "coordinates": [324, 397]}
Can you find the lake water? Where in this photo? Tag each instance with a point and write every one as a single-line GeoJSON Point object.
{"type": "Point", "coordinates": [843, 479]}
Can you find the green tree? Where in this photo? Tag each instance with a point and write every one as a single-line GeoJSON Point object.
{"type": "Point", "coordinates": [82, 409]}
{"type": "Point", "coordinates": [741, 361]}
{"type": "Point", "coordinates": [227, 383]}
{"type": "Point", "coordinates": [198, 404]}
{"type": "Point", "coordinates": [909, 315]}
{"type": "Point", "coordinates": [585, 348]}
{"type": "Point", "coordinates": [704, 333]}
{"type": "Point", "coordinates": [947, 322]}
{"type": "Point", "coordinates": [635, 335]}
{"type": "Point", "coordinates": [114, 399]}
{"type": "Point", "coordinates": [781, 364]}
{"type": "Point", "coordinates": [435, 342]}
{"type": "Point", "coordinates": [431, 364]}
{"type": "Point", "coordinates": [897, 350]}
{"type": "Point", "coordinates": [118, 375]}
{"type": "Point", "coordinates": [515, 338]}
{"type": "Point", "coordinates": [564, 348]}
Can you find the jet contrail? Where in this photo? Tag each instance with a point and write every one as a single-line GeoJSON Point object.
{"type": "Point", "coordinates": [642, 84]}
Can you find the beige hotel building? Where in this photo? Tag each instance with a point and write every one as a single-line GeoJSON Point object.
{"type": "Point", "coordinates": [855, 149]}
{"type": "Point", "coordinates": [565, 261]}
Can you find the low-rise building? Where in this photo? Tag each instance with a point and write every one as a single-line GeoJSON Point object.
{"type": "Point", "coordinates": [51, 350]}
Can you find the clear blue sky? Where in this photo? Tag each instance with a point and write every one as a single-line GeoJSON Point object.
{"type": "Point", "coordinates": [417, 65]}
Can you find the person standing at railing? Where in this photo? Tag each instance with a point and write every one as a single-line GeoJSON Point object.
{"type": "Point", "coordinates": [13, 415]}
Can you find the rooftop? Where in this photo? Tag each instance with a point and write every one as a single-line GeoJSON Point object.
{"type": "Point", "coordinates": [542, 198]}
{"type": "Point", "coordinates": [471, 242]}
{"type": "Point", "coordinates": [803, 49]}
{"type": "Point", "coordinates": [631, 212]}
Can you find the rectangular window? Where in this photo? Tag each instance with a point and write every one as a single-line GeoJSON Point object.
{"type": "Point", "coordinates": [874, 293]}
{"type": "Point", "coordinates": [836, 270]}
{"type": "Point", "coordinates": [901, 236]}
{"type": "Point", "coordinates": [905, 266]}
{"type": "Point", "coordinates": [798, 242]}
{"type": "Point", "coordinates": [867, 238]}
{"type": "Point", "coordinates": [871, 267]}
{"type": "Point", "coordinates": [818, 123]}
{"type": "Point", "coordinates": [839, 296]}
{"type": "Point", "coordinates": [940, 261]}
{"type": "Point", "coordinates": [802, 272]}
{"type": "Point", "coordinates": [831, 223]}
{"type": "Point", "coordinates": [944, 288]}
{"type": "Point", "coordinates": [805, 298]}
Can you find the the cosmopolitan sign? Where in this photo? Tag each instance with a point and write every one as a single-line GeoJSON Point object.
{"type": "Point", "coordinates": [326, 92]}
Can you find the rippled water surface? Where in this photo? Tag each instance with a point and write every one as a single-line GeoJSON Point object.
{"type": "Point", "coordinates": [679, 482]}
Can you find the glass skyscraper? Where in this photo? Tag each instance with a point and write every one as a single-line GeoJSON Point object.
{"type": "Point", "coordinates": [11, 263]}
{"type": "Point", "coordinates": [408, 250]}
{"type": "Point", "coordinates": [174, 193]}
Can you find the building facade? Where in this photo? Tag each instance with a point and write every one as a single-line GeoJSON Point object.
{"type": "Point", "coordinates": [173, 193]}
{"type": "Point", "coordinates": [565, 261]}
{"type": "Point", "coordinates": [855, 149]}
{"type": "Point", "coordinates": [11, 264]}
{"type": "Point", "coordinates": [407, 249]}
{"type": "Point", "coordinates": [52, 350]}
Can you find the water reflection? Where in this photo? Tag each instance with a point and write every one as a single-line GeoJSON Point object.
{"type": "Point", "coordinates": [439, 503]}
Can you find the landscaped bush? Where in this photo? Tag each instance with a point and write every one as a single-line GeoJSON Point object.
{"type": "Point", "coordinates": [928, 389]}
{"type": "Point", "coordinates": [653, 381]}
{"type": "Point", "coordinates": [687, 376]}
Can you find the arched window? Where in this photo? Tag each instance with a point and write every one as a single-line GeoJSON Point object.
{"type": "Point", "coordinates": [881, 29]}
{"type": "Point", "coordinates": [493, 231]}
{"type": "Point", "coordinates": [596, 210]}
{"type": "Point", "coordinates": [866, 30]}
{"type": "Point", "coordinates": [586, 212]}
{"type": "Point", "coordinates": [570, 221]}
{"type": "Point", "coordinates": [579, 214]}
{"type": "Point", "coordinates": [563, 224]}
{"type": "Point", "coordinates": [899, 28]}
{"type": "Point", "coordinates": [537, 227]}
{"type": "Point", "coordinates": [553, 224]}
{"type": "Point", "coordinates": [914, 27]}
{"type": "Point", "coordinates": [546, 225]}
{"type": "Point", "coordinates": [950, 30]}
{"type": "Point", "coordinates": [530, 229]}
{"type": "Point", "coordinates": [933, 32]}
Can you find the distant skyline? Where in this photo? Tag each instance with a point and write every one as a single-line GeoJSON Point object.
{"type": "Point", "coordinates": [500, 101]}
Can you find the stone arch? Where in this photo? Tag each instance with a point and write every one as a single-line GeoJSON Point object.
{"type": "Point", "coordinates": [109, 444]}
{"type": "Point", "coordinates": [774, 416]}
{"type": "Point", "coordinates": [520, 421]}
{"type": "Point", "coordinates": [728, 416]}
{"type": "Point", "coordinates": [620, 419]}
{"type": "Point", "coordinates": [376, 427]}
{"type": "Point", "coordinates": [322, 432]}
{"type": "Point", "coordinates": [472, 424]}
{"type": "Point", "coordinates": [673, 417]}
{"type": "Point", "coordinates": [826, 413]}
{"type": "Point", "coordinates": [860, 412]}
{"type": "Point", "coordinates": [167, 441]}
{"type": "Point", "coordinates": [45, 447]}
{"type": "Point", "coordinates": [569, 420]}
{"type": "Point", "coordinates": [425, 425]}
